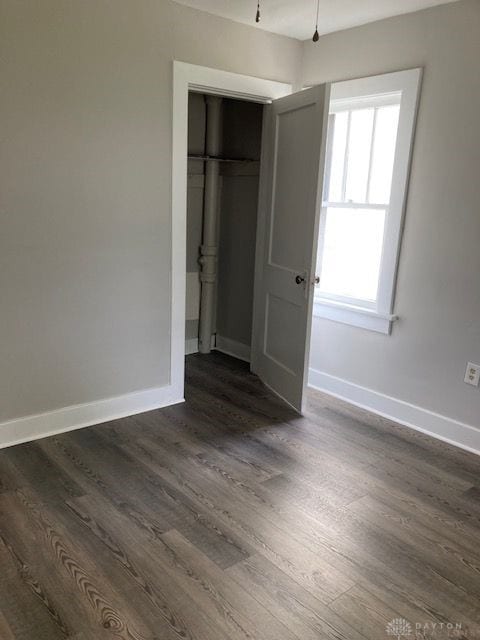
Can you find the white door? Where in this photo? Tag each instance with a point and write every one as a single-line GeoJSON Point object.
{"type": "Point", "coordinates": [289, 207]}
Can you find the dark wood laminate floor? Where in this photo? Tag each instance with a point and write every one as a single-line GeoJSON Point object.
{"type": "Point", "coordinates": [230, 517]}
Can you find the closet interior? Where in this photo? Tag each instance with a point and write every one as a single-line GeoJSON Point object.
{"type": "Point", "coordinates": [224, 146]}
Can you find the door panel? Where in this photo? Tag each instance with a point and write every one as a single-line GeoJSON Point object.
{"type": "Point", "coordinates": [290, 200]}
{"type": "Point", "coordinates": [293, 169]}
{"type": "Point", "coordinates": [282, 317]}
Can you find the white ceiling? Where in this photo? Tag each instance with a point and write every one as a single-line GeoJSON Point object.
{"type": "Point", "coordinates": [296, 18]}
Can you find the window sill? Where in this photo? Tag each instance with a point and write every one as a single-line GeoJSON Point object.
{"type": "Point", "coordinates": [354, 316]}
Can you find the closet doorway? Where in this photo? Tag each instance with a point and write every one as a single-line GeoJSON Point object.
{"type": "Point", "coordinates": [224, 148]}
{"type": "Point", "coordinates": [189, 79]}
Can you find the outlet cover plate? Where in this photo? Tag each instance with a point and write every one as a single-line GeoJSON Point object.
{"type": "Point", "coordinates": [472, 374]}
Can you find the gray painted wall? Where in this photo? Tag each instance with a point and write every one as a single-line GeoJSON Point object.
{"type": "Point", "coordinates": [438, 293]}
{"type": "Point", "coordinates": [85, 188]}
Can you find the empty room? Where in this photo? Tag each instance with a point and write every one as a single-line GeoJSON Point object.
{"type": "Point", "coordinates": [239, 319]}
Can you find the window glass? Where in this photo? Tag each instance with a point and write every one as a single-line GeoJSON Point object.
{"type": "Point", "coordinates": [352, 251]}
{"type": "Point", "coordinates": [383, 154]}
{"type": "Point", "coordinates": [358, 156]}
{"type": "Point", "coordinates": [340, 128]}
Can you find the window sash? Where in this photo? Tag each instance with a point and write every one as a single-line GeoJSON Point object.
{"type": "Point", "coordinates": [350, 107]}
{"type": "Point", "coordinates": [353, 205]}
{"type": "Point", "coordinates": [350, 300]}
{"type": "Point", "coordinates": [364, 102]}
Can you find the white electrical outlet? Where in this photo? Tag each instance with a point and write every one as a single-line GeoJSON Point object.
{"type": "Point", "coordinates": [472, 374]}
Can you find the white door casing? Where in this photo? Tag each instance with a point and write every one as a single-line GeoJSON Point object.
{"type": "Point", "coordinates": [293, 155]}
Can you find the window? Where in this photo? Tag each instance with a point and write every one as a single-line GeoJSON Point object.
{"type": "Point", "coordinates": [370, 135]}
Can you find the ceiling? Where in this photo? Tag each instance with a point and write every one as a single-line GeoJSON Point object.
{"type": "Point", "coordinates": [296, 18]}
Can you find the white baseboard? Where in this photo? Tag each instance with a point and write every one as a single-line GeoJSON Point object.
{"type": "Point", "coordinates": [233, 348]}
{"type": "Point", "coordinates": [86, 415]}
{"type": "Point", "coordinates": [191, 346]}
{"type": "Point", "coordinates": [433, 424]}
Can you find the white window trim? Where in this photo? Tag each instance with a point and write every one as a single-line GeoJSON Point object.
{"type": "Point", "coordinates": [406, 83]}
{"type": "Point", "coordinates": [351, 314]}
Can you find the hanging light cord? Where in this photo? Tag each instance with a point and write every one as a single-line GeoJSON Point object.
{"type": "Point", "coordinates": [315, 35]}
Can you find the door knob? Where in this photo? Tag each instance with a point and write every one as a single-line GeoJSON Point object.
{"type": "Point", "coordinates": [299, 279]}
{"type": "Point", "coordinates": [316, 280]}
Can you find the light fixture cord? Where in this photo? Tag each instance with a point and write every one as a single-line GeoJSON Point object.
{"type": "Point", "coordinates": [257, 17]}
{"type": "Point", "coordinates": [316, 35]}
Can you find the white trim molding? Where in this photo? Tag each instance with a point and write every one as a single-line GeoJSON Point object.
{"type": "Point", "coordinates": [191, 346]}
{"type": "Point", "coordinates": [355, 316]}
{"type": "Point", "coordinates": [233, 348]}
{"type": "Point", "coordinates": [225, 83]}
{"type": "Point", "coordinates": [78, 416]}
{"type": "Point", "coordinates": [438, 426]}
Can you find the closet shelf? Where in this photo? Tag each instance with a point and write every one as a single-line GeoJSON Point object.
{"type": "Point", "coordinates": [220, 159]}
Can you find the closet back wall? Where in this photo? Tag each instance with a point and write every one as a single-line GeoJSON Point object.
{"type": "Point", "coordinates": [242, 138]}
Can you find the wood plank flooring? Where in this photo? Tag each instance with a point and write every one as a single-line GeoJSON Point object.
{"type": "Point", "coordinates": [231, 517]}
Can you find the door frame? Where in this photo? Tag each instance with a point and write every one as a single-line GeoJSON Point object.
{"type": "Point", "coordinates": [188, 77]}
